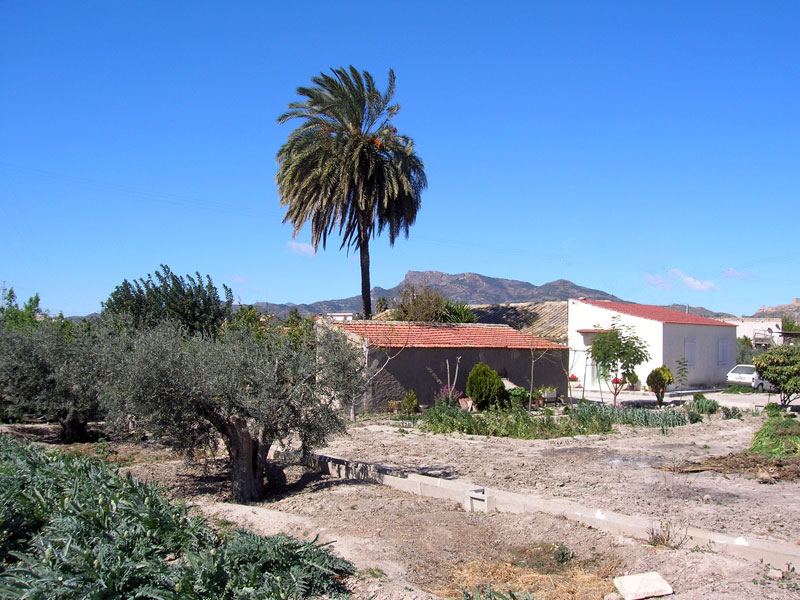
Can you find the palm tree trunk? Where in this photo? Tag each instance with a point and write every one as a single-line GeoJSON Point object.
{"type": "Point", "coordinates": [366, 300]}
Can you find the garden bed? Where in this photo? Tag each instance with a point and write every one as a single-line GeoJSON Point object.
{"type": "Point", "coordinates": [408, 547]}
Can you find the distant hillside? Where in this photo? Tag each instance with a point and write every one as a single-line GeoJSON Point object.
{"type": "Point", "coordinates": [790, 310]}
{"type": "Point", "coordinates": [699, 311]}
{"type": "Point", "coordinates": [465, 287]}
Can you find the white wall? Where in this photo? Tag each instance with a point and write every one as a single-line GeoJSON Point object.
{"type": "Point", "coordinates": [747, 327]}
{"type": "Point", "coordinates": [707, 371]}
{"type": "Point", "coordinates": [586, 316]}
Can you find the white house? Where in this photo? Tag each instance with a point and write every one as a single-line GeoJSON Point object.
{"type": "Point", "coordinates": [708, 345]}
{"type": "Point", "coordinates": [762, 332]}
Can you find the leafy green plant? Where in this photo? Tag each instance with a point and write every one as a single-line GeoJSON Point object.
{"type": "Point", "coordinates": [694, 416]}
{"type": "Point", "coordinates": [703, 405]}
{"type": "Point", "coordinates": [72, 528]}
{"type": "Point", "coordinates": [779, 437]}
{"type": "Point", "coordinates": [485, 387]}
{"type": "Point", "coordinates": [658, 380]}
{"type": "Point", "coordinates": [410, 403]}
{"type": "Point", "coordinates": [682, 372]}
{"type": "Point", "coordinates": [773, 410]}
{"type": "Point", "coordinates": [781, 367]}
{"type": "Point", "coordinates": [519, 394]}
{"type": "Point", "coordinates": [617, 352]}
{"type": "Point", "coordinates": [731, 412]}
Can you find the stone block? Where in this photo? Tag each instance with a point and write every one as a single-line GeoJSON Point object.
{"type": "Point", "coordinates": [642, 585]}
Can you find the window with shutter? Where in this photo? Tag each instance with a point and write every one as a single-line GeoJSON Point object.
{"type": "Point", "coordinates": [725, 352]}
{"type": "Point", "coordinates": [690, 351]}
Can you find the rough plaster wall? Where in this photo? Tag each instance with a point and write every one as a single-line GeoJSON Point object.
{"type": "Point", "coordinates": [425, 371]}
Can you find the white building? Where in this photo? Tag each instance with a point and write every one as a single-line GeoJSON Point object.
{"type": "Point", "coordinates": [708, 345]}
{"type": "Point", "coordinates": [762, 332]}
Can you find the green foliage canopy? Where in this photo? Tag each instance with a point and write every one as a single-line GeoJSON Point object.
{"type": "Point", "coordinates": [781, 367]}
{"type": "Point", "coordinates": [425, 305]}
{"type": "Point", "coordinates": [616, 353]}
{"type": "Point", "coordinates": [11, 315]}
{"type": "Point", "coordinates": [193, 302]}
{"type": "Point", "coordinates": [250, 390]}
{"type": "Point", "coordinates": [346, 168]}
{"type": "Point", "coordinates": [52, 370]}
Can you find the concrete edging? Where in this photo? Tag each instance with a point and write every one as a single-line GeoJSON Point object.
{"type": "Point", "coordinates": [475, 498]}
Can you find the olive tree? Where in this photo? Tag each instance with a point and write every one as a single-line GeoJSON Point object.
{"type": "Point", "coordinates": [781, 367]}
{"type": "Point", "coordinates": [252, 391]}
{"type": "Point", "coordinates": [616, 353]}
{"type": "Point", "coordinates": [51, 370]}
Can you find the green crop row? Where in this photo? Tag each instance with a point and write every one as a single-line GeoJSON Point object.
{"type": "Point", "coordinates": [517, 422]}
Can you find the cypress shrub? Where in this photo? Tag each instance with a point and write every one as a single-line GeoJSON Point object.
{"type": "Point", "coordinates": [485, 387]}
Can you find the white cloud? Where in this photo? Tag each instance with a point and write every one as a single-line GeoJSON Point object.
{"type": "Point", "coordinates": [734, 274]}
{"type": "Point", "coordinates": [692, 283]}
{"type": "Point", "coordinates": [238, 279]}
{"type": "Point", "coordinates": [300, 248]}
{"type": "Point", "coordinates": [665, 281]}
{"type": "Point", "coordinates": [658, 281]}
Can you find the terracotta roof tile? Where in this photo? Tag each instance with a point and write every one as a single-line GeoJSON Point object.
{"type": "Point", "coordinates": [656, 313]}
{"type": "Point", "coordinates": [396, 334]}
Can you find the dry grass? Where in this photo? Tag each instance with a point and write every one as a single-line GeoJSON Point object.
{"type": "Point", "coordinates": [745, 463]}
{"type": "Point", "coordinates": [574, 583]}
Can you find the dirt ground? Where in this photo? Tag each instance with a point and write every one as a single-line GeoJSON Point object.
{"type": "Point", "coordinates": [418, 548]}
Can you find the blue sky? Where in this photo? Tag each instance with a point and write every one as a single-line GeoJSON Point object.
{"type": "Point", "coordinates": [651, 150]}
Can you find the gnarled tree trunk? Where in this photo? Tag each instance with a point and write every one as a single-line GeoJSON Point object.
{"type": "Point", "coordinates": [249, 462]}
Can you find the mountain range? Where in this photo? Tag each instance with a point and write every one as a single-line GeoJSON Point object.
{"type": "Point", "coordinates": [470, 288]}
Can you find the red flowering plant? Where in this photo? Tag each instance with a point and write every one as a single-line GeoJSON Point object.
{"type": "Point", "coordinates": [573, 377]}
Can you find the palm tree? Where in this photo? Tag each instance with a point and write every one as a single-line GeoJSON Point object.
{"type": "Point", "coordinates": [346, 168]}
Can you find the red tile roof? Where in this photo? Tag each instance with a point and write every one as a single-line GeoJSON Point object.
{"type": "Point", "coordinates": [656, 313]}
{"type": "Point", "coordinates": [397, 334]}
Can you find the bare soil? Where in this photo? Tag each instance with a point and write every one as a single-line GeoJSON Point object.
{"type": "Point", "coordinates": [419, 548]}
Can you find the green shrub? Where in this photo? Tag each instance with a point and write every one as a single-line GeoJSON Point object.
{"type": "Point", "coordinates": [658, 380]}
{"type": "Point", "coordinates": [410, 403]}
{"type": "Point", "coordinates": [519, 394]}
{"type": "Point", "coordinates": [778, 437]}
{"type": "Point", "coordinates": [485, 387]}
{"type": "Point", "coordinates": [694, 416]}
{"type": "Point", "coordinates": [773, 410]}
{"type": "Point", "coordinates": [731, 412]}
{"type": "Point", "coordinates": [703, 405]}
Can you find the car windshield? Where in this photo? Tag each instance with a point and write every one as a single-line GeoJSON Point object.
{"type": "Point", "coordinates": [744, 370]}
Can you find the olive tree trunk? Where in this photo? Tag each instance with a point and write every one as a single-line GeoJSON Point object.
{"type": "Point", "coordinates": [249, 462]}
